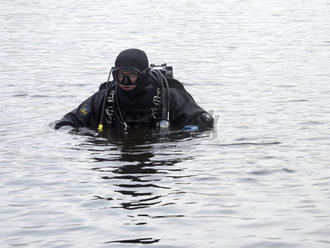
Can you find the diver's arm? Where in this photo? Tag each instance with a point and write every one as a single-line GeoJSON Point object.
{"type": "Point", "coordinates": [85, 115]}
{"type": "Point", "coordinates": [185, 111]}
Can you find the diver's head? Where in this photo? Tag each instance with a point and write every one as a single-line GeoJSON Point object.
{"type": "Point", "coordinates": [131, 68]}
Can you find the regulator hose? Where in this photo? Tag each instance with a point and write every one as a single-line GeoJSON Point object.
{"type": "Point", "coordinates": [158, 77]}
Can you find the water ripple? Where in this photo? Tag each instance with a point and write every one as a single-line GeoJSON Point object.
{"type": "Point", "coordinates": [259, 179]}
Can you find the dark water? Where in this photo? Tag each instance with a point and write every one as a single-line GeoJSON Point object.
{"type": "Point", "coordinates": [260, 179]}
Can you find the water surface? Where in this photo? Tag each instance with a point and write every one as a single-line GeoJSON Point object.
{"type": "Point", "coordinates": [260, 179]}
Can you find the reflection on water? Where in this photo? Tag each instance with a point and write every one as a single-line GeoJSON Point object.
{"type": "Point", "coordinates": [137, 166]}
{"type": "Point", "coordinates": [136, 241]}
{"type": "Point", "coordinates": [137, 162]}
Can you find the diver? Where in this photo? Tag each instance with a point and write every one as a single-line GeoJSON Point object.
{"type": "Point", "coordinates": [139, 96]}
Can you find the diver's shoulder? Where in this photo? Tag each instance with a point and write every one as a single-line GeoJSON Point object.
{"type": "Point", "coordinates": [176, 84]}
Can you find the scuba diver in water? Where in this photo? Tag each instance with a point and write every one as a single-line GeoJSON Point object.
{"type": "Point", "coordinates": [139, 96]}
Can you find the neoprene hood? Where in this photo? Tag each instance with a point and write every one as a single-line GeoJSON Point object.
{"type": "Point", "coordinates": [132, 59]}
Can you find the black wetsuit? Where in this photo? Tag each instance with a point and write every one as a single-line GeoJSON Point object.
{"type": "Point", "coordinates": [142, 108]}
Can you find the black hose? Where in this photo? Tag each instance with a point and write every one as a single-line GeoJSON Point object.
{"type": "Point", "coordinates": [161, 81]}
{"type": "Point", "coordinates": [100, 127]}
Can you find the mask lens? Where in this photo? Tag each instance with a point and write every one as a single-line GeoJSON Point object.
{"type": "Point", "coordinates": [125, 76]}
{"type": "Point", "coordinates": [132, 75]}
